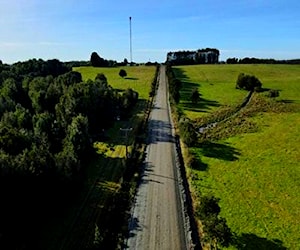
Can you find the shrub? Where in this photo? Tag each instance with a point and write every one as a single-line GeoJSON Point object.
{"type": "Point", "coordinates": [273, 93]}
{"type": "Point", "coordinates": [187, 132]}
{"type": "Point", "coordinates": [122, 73]}
{"type": "Point", "coordinates": [248, 82]}
{"type": "Point", "coordinates": [216, 229]}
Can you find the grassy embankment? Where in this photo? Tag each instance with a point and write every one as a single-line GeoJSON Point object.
{"type": "Point", "coordinates": [104, 176]}
{"type": "Point", "coordinates": [252, 162]}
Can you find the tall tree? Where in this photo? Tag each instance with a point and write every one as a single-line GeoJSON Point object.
{"type": "Point", "coordinates": [98, 61]}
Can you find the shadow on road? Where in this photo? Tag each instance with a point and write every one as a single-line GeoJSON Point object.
{"type": "Point", "coordinates": [160, 131]}
{"type": "Point", "coordinates": [147, 173]}
{"type": "Point", "coordinates": [134, 226]}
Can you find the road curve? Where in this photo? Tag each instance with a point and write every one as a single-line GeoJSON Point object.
{"type": "Point", "coordinates": [157, 218]}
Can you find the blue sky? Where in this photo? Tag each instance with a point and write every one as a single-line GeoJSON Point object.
{"type": "Point", "coordinates": [72, 30]}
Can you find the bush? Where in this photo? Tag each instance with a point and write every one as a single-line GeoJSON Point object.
{"type": "Point", "coordinates": [187, 132]}
{"type": "Point", "coordinates": [248, 82]}
{"type": "Point", "coordinates": [273, 93]}
{"type": "Point", "coordinates": [122, 73]}
{"type": "Point", "coordinates": [216, 229]}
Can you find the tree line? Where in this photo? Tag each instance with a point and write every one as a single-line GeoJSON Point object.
{"type": "Point", "coordinates": [42, 103]}
{"type": "Point", "coordinates": [201, 56]}
{"type": "Point", "coordinates": [49, 118]}
{"type": "Point", "coordinates": [253, 60]}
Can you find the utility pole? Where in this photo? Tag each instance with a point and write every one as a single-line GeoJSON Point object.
{"type": "Point", "coordinates": [130, 38]}
{"type": "Point", "coordinates": [126, 130]}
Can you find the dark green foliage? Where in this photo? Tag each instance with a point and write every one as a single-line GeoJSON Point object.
{"type": "Point", "coordinates": [174, 84]}
{"type": "Point", "coordinates": [19, 118]}
{"type": "Point", "coordinates": [248, 82]}
{"type": "Point", "coordinates": [78, 135]}
{"type": "Point", "coordinates": [254, 60]}
{"type": "Point", "coordinates": [195, 97]}
{"type": "Point", "coordinates": [97, 61]}
{"type": "Point", "coordinates": [101, 78]}
{"type": "Point", "coordinates": [39, 67]}
{"type": "Point", "coordinates": [215, 228]}
{"type": "Point", "coordinates": [13, 141]}
{"type": "Point", "coordinates": [6, 104]}
{"type": "Point", "coordinates": [128, 100]}
{"type": "Point", "coordinates": [154, 82]}
{"type": "Point", "coordinates": [209, 206]}
{"type": "Point", "coordinates": [187, 132]}
{"type": "Point", "coordinates": [61, 111]}
{"type": "Point", "coordinates": [122, 73]}
{"type": "Point", "coordinates": [37, 92]}
{"type": "Point", "coordinates": [49, 118]}
{"type": "Point", "coordinates": [232, 60]}
{"type": "Point", "coordinates": [201, 56]}
{"type": "Point", "coordinates": [69, 78]}
{"type": "Point", "coordinates": [273, 93]}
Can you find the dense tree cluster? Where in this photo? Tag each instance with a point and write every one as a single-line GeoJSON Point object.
{"type": "Point", "coordinates": [48, 119]}
{"type": "Point", "coordinates": [201, 56]}
{"type": "Point", "coordinates": [45, 108]}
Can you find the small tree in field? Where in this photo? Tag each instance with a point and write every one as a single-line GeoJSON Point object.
{"type": "Point", "coordinates": [122, 73]}
{"type": "Point", "coordinates": [248, 82]}
{"type": "Point", "coordinates": [195, 96]}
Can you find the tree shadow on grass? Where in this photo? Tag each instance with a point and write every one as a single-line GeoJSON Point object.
{"type": "Point", "coordinates": [252, 241]}
{"type": "Point", "coordinates": [186, 92]}
{"type": "Point", "coordinates": [131, 78]}
{"type": "Point", "coordinates": [202, 106]}
{"type": "Point", "coordinates": [286, 101]}
{"type": "Point", "coordinates": [219, 151]}
{"type": "Point", "coordinates": [199, 165]}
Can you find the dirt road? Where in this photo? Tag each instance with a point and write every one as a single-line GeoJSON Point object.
{"type": "Point", "coordinates": [157, 218]}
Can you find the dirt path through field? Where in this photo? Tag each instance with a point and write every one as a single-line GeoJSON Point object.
{"type": "Point", "coordinates": [157, 218]}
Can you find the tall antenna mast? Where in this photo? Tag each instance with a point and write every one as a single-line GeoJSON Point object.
{"type": "Point", "coordinates": [130, 40]}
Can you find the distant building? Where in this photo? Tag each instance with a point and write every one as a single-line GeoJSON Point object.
{"type": "Point", "coordinates": [201, 56]}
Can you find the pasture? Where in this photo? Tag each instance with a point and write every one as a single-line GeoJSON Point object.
{"type": "Point", "coordinates": [138, 77]}
{"type": "Point", "coordinates": [216, 84]}
{"type": "Point", "coordinates": [255, 173]}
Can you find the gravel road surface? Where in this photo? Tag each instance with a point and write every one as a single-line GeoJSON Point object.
{"type": "Point", "coordinates": [157, 218]}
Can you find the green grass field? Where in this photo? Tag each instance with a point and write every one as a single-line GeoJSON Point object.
{"type": "Point", "coordinates": [216, 84]}
{"type": "Point", "coordinates": [256, 175]}
{"type": "Point", "coordinates": [138, 78]}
